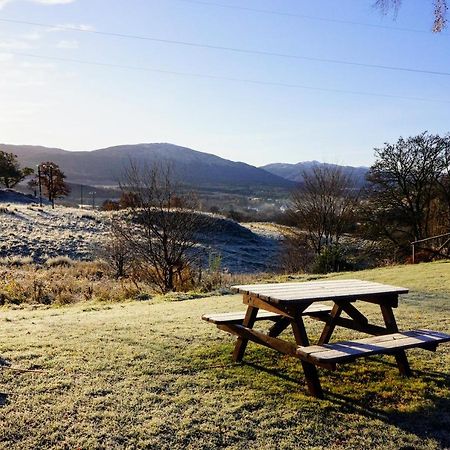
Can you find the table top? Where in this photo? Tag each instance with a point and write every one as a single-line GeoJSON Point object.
{"type": "Point", "coordinates": [312, 291]}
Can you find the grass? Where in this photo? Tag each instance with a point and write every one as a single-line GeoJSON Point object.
{"type": "Point", "coordinates": [153, 375]}
{"type": "Point", "coordinates": [62, 281]}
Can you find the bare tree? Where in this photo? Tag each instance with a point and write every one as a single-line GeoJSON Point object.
{"type": "Point", "coordinates": [324, 205]}
{"type": "Point", "coordinates": [117, 252]}
{"type": "Point", "coordinates": [440, 11]}
{"type": "Point", "coordinates": [408, 188]}
{"type": "Point", "coordinates": [163, 238]}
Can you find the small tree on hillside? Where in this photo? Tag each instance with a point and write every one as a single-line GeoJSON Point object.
{"type": "Point", "coordinates": [324, 206]}
{"type": "Point", "coordinates": [10, 171]}
{"type": "Point", "coordinates": [51, 178]}
{"type": "Point", "coordinates": [163, 238]}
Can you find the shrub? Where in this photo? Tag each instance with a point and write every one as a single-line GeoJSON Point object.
{"type": "Point", "coordinates": [117, 254]}
{"type": "Point", "coordinates": [60, 261]}
{"type": "Point", "coordinates": [334, 258]}
{"type": "Point", "coordinates": [110, 205]}
{"type": "Point", "coordinates": [16, 261]}
{"type": "Point", "coordinates": [296, 255]}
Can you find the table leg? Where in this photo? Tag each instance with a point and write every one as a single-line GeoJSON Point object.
{"type": "Point", "coordinates": [278, 327]}
{"type": "Point", "coordinates": [241, 343]}
{"type": "Point", "coordinates": [310, 370]}
{"type": "Point", "coordinates": [391, 326]}
{"type": "Point", "coordinates": [331, 325]}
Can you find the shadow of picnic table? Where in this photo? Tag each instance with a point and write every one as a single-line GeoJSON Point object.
{"type": "Point", "coordinates": [428, 422]}
{"type": "Point", "coordinates": [3, 395]}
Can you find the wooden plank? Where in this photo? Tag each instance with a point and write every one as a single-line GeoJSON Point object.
{"type": "Point", "coordinates": [367, 297]}
{"type": "Point", "coordinates": [391, 325]}
{"type": "Point", "coordinates": [238, 317]}
{"type": "Point", "coordinates": [341, 352]}
{"type": "Point", "coordinates": [318, 290]}
{"type": "Point", "coordinates": [350, 350]}
{"type": "Point", "coordinates": [326, 294]}
{"type": "Point", "coordinates": [322, 292]}
{"type": "Point", "coordinates": [241, 343]}
{"type": "Point", "coordinates": [316, 285]}
{"type": "Point", "coordinates": [258, 303]}
{"type": "Point", "coordinates": [356, 315]}
{"type": "Point", "coordinates": [309, 284]}
{"type": "Point", "coordinates": [330, 324]}
{"type": "Point", "coordinates": [352, 325]}
{"type": "Point", "coordinates": [310, 371]}
{"type": "Point", "coordinates": [309, 287]}
{"type": "Point", "coordinates": [260, 338]}
{"type": "Point", "coordinates": [278, 327]}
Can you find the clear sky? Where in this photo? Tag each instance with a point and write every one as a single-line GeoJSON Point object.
{"type": "Point", "coordinates": [84, 106]}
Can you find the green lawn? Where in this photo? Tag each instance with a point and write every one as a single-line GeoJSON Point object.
{"type": "Point", "coordinates": [153, 375]}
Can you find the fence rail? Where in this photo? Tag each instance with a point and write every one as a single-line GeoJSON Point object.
{"type": "Point", "coordinates": [437, 251]}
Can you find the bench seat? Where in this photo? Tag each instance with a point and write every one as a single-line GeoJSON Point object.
{"type": "Point", "coordinates": [328, 355]}
{"type": "Point", "coordinates": [238, 317]}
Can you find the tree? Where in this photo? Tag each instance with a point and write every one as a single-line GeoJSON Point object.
{"type": "Point", "coordinates": [440, 11]}
{"type": "Point", "coordinates": [163, 238]}
{"type": "Point", "coordinates": [324, 205]}
{"type": "Point", "coordinates": [117, 253]}
{"type": "Point", "coordinates": [10, 172]}
{"type": "Point", "coordinates": [409, 190]}
{"type": "Point", "coordinates": [51, 178]}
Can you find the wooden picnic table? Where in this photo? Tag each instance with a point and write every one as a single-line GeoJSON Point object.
{"type": "Point", "coordinates": [286, 304]}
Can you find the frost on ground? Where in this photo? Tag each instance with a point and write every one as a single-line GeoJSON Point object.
{"type": "Point", "coordinates": [40, 233]}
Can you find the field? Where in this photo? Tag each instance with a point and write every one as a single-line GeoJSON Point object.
{"type": "Point", "coordinates": [29, 231]}
{"type": "Point", "coordinates": [153, 375]}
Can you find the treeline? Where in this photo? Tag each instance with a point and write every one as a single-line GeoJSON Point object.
{"type": "Point", "coordinates": [47, 180]}
{"type": "Point", "coordinates": [337, 226]}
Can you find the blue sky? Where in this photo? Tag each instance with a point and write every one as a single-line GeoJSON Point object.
{"type": "Point", "coordinates": [83, 107]}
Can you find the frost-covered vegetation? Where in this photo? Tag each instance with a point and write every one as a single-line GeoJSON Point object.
{"type": "Point", "coordinates": [29, 232]}
{"type": "Point", "coordinates": [42, 233]}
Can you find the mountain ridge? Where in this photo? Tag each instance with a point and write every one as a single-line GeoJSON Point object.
{"type": "Point", "coordinates": [294, 171]}
{"type": "Point", "coordinates": [105, 166]}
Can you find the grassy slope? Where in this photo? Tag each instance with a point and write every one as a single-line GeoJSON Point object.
{"type": "Point", "coordinates": [154, 375]}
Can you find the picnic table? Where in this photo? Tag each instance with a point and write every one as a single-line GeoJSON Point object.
{"type": "Point", "coordinates": [286, 304]}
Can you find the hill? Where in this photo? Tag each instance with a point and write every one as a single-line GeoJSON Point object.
{"type": "Point", "coordinates": [294, 172]}
{"type": "Point", "coordinates": [41, 233]}
{"type": "Point", "coordinates": [105, 167]}
{"type": "Point", "coordinates": [12, 196]}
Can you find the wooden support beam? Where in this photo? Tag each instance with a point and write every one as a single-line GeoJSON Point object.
{"type": "Point", "coordinates": [352, 325]}
{"type": "Point", "coordinates": [279, 326]}
{"type": "Point", "coordinates": [391, 325]}
{"type": "Point", "coordinates": [310, 370]}
{"type": "Point", "coordinates": [241, 343]}
{"type": "Point", "coordinates": [258, 303]}
{"type": "Point", "coordinates": [356, 315]}
{"type": "Point", "coordinates": [260, 338]}
{"type": "Point", "coordinates": [390, 300]}
{"type": "Point", "coordinates": [330, 324]}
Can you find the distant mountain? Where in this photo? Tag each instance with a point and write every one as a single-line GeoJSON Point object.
{"type": "Point", "coordinates": [294, 172]}
{"type": "Point", "coordinates": [105, 167]}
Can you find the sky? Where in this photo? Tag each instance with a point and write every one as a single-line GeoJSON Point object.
{"type": "Point", "coordinates": [69, 85]}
